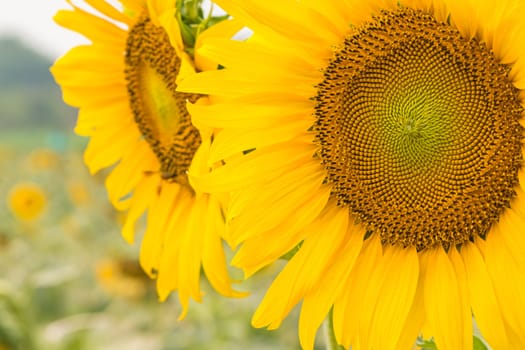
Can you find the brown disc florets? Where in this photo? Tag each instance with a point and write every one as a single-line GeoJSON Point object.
{"type": "Point", "coordinates": [419, 130]}
{"type": "Point", "coordinates": [152, 66]}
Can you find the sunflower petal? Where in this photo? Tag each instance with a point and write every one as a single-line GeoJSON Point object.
{"type": "Point", "coordinates": [443, 301]}
{"type": "Point", "coordinates": [349, 307]}
{"type": "Point", "coordinates": [304, 270]}
{"type": "Point", "coordinates": [510, 292]}
{"type": "Point", "coordinates": [249, 170]}
{"type": "Point", "coordinates": [483, 298]}
{"type": "Point", "coordinates": [142, 196]}
{"type": "Point", "coordinates": [318, 301]}
{"type": "Point", "coordinates": [398, 289]}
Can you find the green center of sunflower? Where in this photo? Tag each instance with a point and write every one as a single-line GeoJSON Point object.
{"type": "Point", "coordinates": [419, 131]}
{"type": "Point", "coordinates": [152, 66]}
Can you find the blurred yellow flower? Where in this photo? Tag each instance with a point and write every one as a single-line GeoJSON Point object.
{"type": "Point", "coordinates": [43, 159]}
{"type": "Point", "coordinates": [26, 201]}
{"type": "Point", "coordinates": [116, 278]}
{"type": "Point", "coordinates": [124, 86]}
{"type": "Point", "coordinates": [78, 192]}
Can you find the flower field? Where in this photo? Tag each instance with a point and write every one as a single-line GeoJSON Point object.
{"type": "Point", "coordinates": [69, 280]}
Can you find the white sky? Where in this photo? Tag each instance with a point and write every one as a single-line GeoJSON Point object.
{"type": "Point", "coordinates": [31, 21]}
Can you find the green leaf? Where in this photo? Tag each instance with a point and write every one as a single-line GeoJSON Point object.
{"type": "Point", "coordinates": [292, 252]}
{"type": "Point", "coordinates": [193, 21]}
{"type": "Point", "coordinates": [478, 344]}
{"type": "Point", "coordinates": [430, 345]}
{"type": "Point", "coordinates": [426, 344]}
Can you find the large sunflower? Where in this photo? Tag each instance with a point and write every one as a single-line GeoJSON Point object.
{"type": "Point", "coordinates": [385, 146]}
{"type": "Point", "coordinates": [124, 85]}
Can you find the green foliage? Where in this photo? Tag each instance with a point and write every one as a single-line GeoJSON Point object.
{"type": "Point", "coordinates": [193, 21]}
{"type": "Point", "coordinates": [22, 66]}
{"type": "Point", "coordinates": [426, 344]}
{"type": "Point", "coordinates": [479, 345]}
{"type": "Point", "coordinates": [51, 296]}
{"type": "Point", "coordinates": [430, 345]}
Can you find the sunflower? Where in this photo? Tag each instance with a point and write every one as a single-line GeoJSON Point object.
{"type": "Point", "coordinates": [43, 159]}
{"type": "Point", "coordinates": [26, 201]}
{"type": "Point", "coordinates": [119, 277]}
{"type": "Point", "coordinates": [124, 86]}
{"type": "Point", "coordinates": [383, 142]}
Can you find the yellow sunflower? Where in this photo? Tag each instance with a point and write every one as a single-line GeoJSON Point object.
{"type": "Point", "coordinates": [26, 201]}
{"type": "Point", "coordinates": [382, 140]}
{"type": "Point", "coordinates": [119, 277]}
{"type": "Point", "coordinates": [124, 86]}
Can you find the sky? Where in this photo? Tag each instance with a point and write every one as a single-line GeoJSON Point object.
{"type": "Point", "coordinates": [31, 21]}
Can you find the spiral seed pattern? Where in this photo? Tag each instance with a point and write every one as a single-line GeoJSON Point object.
{"type": "Point", "coordinates": [419, 130]}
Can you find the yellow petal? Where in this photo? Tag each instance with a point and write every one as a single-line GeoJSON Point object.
{"type": "Point", "coordinates": [332, 14]}
{"type": "Point", "coordinates": [443, 301]}
{"type": "Point", "coordinates": [142, 195]}
{"type": "Point", "coordinates": [213, 257]}
{"type": "Point", "coordinates": [289, 234]}
{"type": "Point", "coordinates": [280, 17]}
{"type": "Point", "coordinates": [134, 7]}
{"type": "Point", "coordinates": [129, 171]}
{"type": "Point", "coordinates": [190, 249]}
{"type": "Point", "coordinates": [397, 291]}
{"type": "Point", "coordinates": [285, 195]}
{"type": "Point", "coordinates": [304, 270]}
{"type": "Point", "coordinates": [249, 114]}
{"type": "Point", "coordinates": [93, 118]}
{"type": "Point", "coordinates": [255, 138]}
{"type": "Point", "coordinates": [464, 16]}
{"type": "Point", "coordinates": [349, 307]}
{"type": "Point", "coordinates": [222, 83]}
{"type": "Point", "coordinates": [416, 316]}
{"type": "Point", "coordinates": [160, 214]}
{"type": "Point", "coordinates": [108, 146]}
{"type": "Point", "coordinates": [465, 309]}
{"type": "Point", "coordinates": [283, 66]}
{"type": "Point", "coordinates": [508, 282]}
{"type": "Point", "coordinates": [164, 249]}
{"type": "Point", "coordinates": [483, 299]}
{"type": "Point", "coordinates": [94, 28]}
{"type": "Point", "coordinates": [89, 65]}
{"type": "Point", "coordinates": [253, 168]}
{"type": "Point", "coordinates": [97, 96]}
{"type": "Point", "coordinates": [104, 7]}
{"type": "Point", "coordinates": [318, 301]}
{"type": "Point", "coordinates": [511, 226]}
{"type": "Point", "coordinates": [223, 29]}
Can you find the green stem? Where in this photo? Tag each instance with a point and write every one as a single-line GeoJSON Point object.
{"type": "Point", "coordinates": [331, 341]}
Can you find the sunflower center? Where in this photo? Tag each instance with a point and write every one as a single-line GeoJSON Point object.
{"type": "Point", "coordinates": [152, 66]}
{"type": "Point", "coordinates": [419, 130]}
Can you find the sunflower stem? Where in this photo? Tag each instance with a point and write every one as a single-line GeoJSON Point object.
{"type": "Point", "coordinates": [331, 341]}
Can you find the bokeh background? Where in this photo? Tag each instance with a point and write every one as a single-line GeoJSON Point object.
{"type": "Point", "coordinates": [68, 280]}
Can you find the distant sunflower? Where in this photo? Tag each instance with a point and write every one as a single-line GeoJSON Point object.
{"type": "Point", "coordinates": [78, 193]}
{"type": "Point", "coordinates": [124, 85]}
{"type": "Point", "coordinates": [26, 201]}
{"type": "Point", "coordinates": [120, 277]}
{"type": "Point", "coordinates": [43, 159]}
{"type": "Point", "coordinates": [385, 146]}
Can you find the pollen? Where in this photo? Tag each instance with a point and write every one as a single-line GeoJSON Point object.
{"type": "Point", "coordinates": [419, 131]}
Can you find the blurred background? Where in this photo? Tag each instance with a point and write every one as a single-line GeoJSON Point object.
{"type": "Point", "coordinates": [67, 278]}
